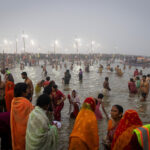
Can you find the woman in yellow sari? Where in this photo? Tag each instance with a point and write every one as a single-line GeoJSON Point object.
{"type": "Point", "coordinates": [84, 135]}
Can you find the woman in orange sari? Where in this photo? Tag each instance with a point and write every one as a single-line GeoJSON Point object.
{"type": "Point", "coordinates": [124, 131]}
{"type": "Point", "coordinates": [84, 135]}
{"type": "Point", "coordinates": [9, 91]}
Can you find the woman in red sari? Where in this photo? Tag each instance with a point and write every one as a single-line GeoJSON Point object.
{"type": "Point", "coordinates": [9, 91]}
{"type": "Point", "coordinates": [124, 131]}
{"type": "Point", "coordinates": [58, 102]}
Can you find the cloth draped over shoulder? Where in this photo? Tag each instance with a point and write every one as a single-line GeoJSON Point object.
{"type": "Point", "coordinates": [124, 131]}
{"type": "Point", "coordinates": [9, 94]}
{"type": "Point", "coordinates": [20, 110]}
{"type": "Point", "coordinates": [84, 135]}
{"type": "Point", "coordinates": [40, 135]}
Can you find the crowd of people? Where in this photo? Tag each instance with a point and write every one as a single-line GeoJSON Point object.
{"type": "Point", "coordinates": [24, 126]}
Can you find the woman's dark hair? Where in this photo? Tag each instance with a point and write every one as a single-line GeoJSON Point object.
{"type": "Point", "coordinates": [10, 77]}
{"type": "Point", "coordinates": [19, 89]}
{"type": "Point", "coordinates": [47, 78]}
{"type": "Point", "coordinates": [137, 78]}
{"type": "Point", "coordinates": [131, 79]}
{"type": "Point", "coordinates": [47, 90]}
{"type": "Point", "coordinates": [100, 96]}
{"type": "Point", "coordinates": [43, 100]}
{"type": "Point", "coordinates": [120, 108]}
{"type": "Point", "coordinates": [55, 87]}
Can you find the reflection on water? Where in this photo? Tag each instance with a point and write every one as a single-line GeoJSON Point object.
{"type": "Point", "coordinates": [91, 86]}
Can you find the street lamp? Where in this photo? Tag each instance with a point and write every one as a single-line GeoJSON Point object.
{"type": "Point", "coordinates": [23, 37]}
{"type": "Point", "coordinates": [16, 45]}
{"type": "Point", "coordinates": [55, 46]}
{"type": "Point", "coordinates": [77, 42]}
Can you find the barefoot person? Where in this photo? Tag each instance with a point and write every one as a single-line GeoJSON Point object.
{"type": "Point", "coordinates": [144, 87]}
{"type": "Point", "coordinates": [29, 84]}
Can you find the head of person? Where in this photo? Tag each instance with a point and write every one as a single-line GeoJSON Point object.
{"type": "Point", "coordinates": [131, 80]}
{"type": "Point", "coordinates": [137, 78]}
{"type": "Point", "coordinates": [20, 90]}
{"type": "Point", "coordinates": [3, 71]}
{"type": "Point", "coordinates": [54, 88]}
{"type": "Point", "coordinates": [24, 75]}
{"type": "Point", "coordinates": [116, 112]}
{"type": "Point", "coordinates": [106, 78]}
{"type": "Point", "coordinates": [42, 82]}
{"type": "Point", "coordinates": [74, 93]}
{"type": "Point", "coordinates": [136, 69]}
{"type": "Point", "coordinates": [144, 78]}
{"type": "Point", "coordinates": [100, 96]}
{"type": "Point", "coordinates": [47, 90]}
{"type": "Point", "coordinates": [89, 103]}
{"type": "Point", "coordinates": [67, 71]}
{"type": "Point", "coordinates": [47, 78]}
{"type": "Point", "coordinates": [43, 101]}
{"type": "Point", "coordinates": [148, 75]}
{"type": "Point", "coordinates": [52, 83]}
{"type": "Point", "coordinates": [9, 77]}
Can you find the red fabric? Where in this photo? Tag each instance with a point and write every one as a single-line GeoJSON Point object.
{"type": "Point", "coordinates": [57, 108]}
{"type": "Point", "coordinates": [136, 73]}
{"type": "Point", "coordinates": [124, 131]}
{"type": "Point", "coordinates": [75, 111]}
{"type": "Point", "coordinates": [57, 96]}
{"type": "Point", "coordinates": [57, 112]}
{"type": "Point", "coordinates": [132, 87]}
{"type": "Point", "coordinates": [9, 94]}
{"type": "Point", "coordinates": [90, 101]}
{"type": "Point", "coordinates": [46, 83]}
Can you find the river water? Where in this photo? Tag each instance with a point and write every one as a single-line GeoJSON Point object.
{"type": "Point", "coordinates": [91, 86]}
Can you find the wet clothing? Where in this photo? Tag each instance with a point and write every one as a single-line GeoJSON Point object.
{"type": "Point", "coordinates": [40, 135]}
{"type": "Point", "coordinates": [9, 94]}
{"type": "Point", "coordinates": [57, 107]}
{"type": "Point", "coordinates": [67, 78]}
{"type": "Point", "coordinates": [124, 131]}
{"type": "Point", "coordinates": [132, 87]}
{"type": "Point", "coordinates": [20, 110]}
{"type": "Point", "coordinates": [84, 135]}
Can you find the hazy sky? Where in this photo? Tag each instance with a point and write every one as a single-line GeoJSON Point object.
{"type": "Point", "coordinates": [116, 26]}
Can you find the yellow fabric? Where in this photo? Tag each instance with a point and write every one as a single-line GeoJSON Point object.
{"type": "Point", "coordinates": [85, 130]}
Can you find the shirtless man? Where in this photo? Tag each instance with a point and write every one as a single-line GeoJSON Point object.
{"type": "Point", "coordinates": [29, 83]}
{"type": "Point", "coordinates": [144, 87]}
{"type": "Point", "coordinates": [2, 92]}
{"type": "Point", "coordinates": [106, 87]}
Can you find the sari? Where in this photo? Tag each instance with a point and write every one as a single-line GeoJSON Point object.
{"type": "Point", "coordinates": [9, 94]}
{"type": "Point", "coordinates": [40, 135]}
{"type": "Point", "coordinates": [5, 130]}
{"type": "Point", "coordinates": [84, 135]}
{"type": "Point", "coordinates": [124, 131]}
{"type": "Point", "coordinates": [20, 110]}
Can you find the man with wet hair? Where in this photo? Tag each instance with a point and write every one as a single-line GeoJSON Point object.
{"type": "Point", "coordinates": [29, 83]}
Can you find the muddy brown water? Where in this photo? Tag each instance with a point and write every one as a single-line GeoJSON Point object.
{"type": "Point", "coordinates": [91, 86]}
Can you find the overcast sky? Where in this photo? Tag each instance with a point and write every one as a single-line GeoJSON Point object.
{"type": "Point", "coordinates": [116, 26]}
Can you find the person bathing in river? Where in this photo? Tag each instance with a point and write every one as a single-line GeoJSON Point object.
{"type": "Point", "coordinates": [67, 77]}
{"type": "Point", "coordinates": [80, 75]}
{"type": "Point", "coordinates": [97, 109]}
{"type": "Point", "coordinates": [144, 88]}
{"type": "Point", "coordinates": [38, 87]}
{"type": "Point", "coordinates": [106, 87]}
{"type": "Point", "coordinates": [75, 103]}
{"type": "Point", "coordinates": [132, 86]}
{"type": "Point", "coordinates": [29, 83]}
